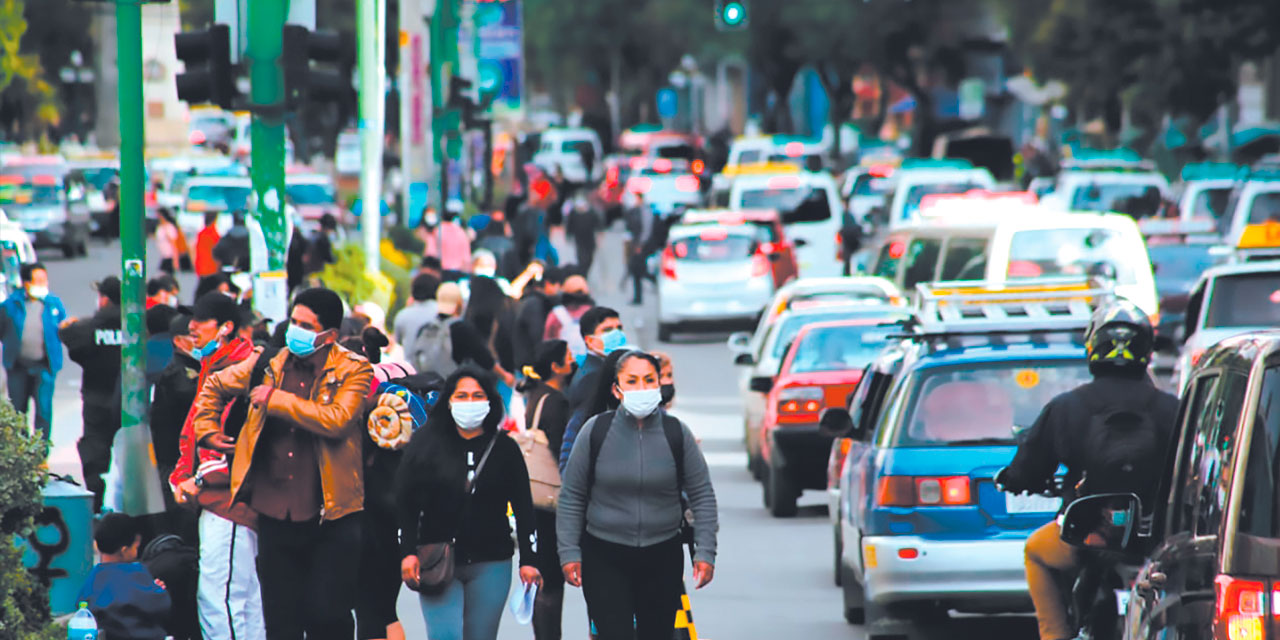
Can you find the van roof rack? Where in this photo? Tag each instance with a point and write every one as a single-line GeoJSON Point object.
{"type": "Point", "coordinates": [1038, 305]}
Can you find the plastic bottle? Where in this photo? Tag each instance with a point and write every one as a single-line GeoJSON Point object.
{"type": "Point", "coordinates": [82, 626]}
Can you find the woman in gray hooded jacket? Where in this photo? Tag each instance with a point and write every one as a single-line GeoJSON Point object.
{"type": "Point", "coordinates": [620, 508]}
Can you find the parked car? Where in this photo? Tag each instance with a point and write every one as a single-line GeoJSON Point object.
{"type": "Point", "coordinates": [49, 201]}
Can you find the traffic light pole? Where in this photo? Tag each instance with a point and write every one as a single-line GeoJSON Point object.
{"type": "Point", "coordinates": [133, 250]}
{"type": "Point", "coordinates": [266, 95]}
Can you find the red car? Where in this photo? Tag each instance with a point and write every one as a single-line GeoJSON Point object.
{"type": "Point", "coordinates": [822, 366]}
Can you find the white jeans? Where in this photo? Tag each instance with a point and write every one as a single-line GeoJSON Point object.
{"type": "Point", "coordinates": [228, 595]}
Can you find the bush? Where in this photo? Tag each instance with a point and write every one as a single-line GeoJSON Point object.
{"type": "Point", "coordinates": [346, 276]}
{"type": "Point", "coordinates": [406, 240]}
{"type": "Point", "coordinates": [24, 602]}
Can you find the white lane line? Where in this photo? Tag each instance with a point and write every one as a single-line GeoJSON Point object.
{"type": "Point", "coordinates": [724, 459]}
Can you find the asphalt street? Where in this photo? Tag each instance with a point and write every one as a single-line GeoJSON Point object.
{"type": "Point", "coordinates": [773, 577]}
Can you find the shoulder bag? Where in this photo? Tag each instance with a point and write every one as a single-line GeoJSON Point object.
{"type": "Point", "coordinates": [436, 560]}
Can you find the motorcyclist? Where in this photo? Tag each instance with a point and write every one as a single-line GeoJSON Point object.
{"type": "Point", "coordinates": [1121, 400]}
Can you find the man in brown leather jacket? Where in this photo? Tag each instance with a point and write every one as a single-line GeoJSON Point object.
{"type": "Point", "coordinates": [297, 463]}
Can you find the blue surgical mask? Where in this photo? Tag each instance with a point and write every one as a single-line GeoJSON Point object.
{"type": "Point", "coordinates": [301, 342]}
{"type": "Point", "coordinates": [207, 350]}
{"type": "Point", "coordinates": [613, 340]}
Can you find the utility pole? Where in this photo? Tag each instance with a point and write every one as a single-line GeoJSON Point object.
{"type": "Point", "coordinates": [371, 40]}
{"type": "Point", "coordinates": [445, 120]}
{"type": "Point", "coordinates": [133, 245]}
{"type": "Point", "coordinates": [266, 98]}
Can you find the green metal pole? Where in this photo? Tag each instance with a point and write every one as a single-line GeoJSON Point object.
{"type": "Point", "coordinates": [265, 43]}
{"type": "Point", "coordinates": [444, 120]}
{"type": "Point", "coordinates": [133, 243]}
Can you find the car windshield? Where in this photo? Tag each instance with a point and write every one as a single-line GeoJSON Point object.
{"type": "Point", "coordinates": [839, 348]}
{"type": "Point", "coordinates": [1265, 208]}
{"type": "Point", "coordinates": [869, 185]}
{"type": "Point", "coordinates": [982, 403]}
{"type": "Point", "coordinates": [1245, 300]}
{"type": "Point", "coordinates": [1137, 200]}
{"type": "Point", "coordinates": [1072, 252]}
{"type": "Point", "coordinates": [782, 199]}
{"type": "Point", "coordinates": [1178, 265]}
{"type": "Point", "coordinates": [789, 327]}
{"type": "Point", "coordinates": [676, 151]}
{"type": "Point", "coordinates": [99, 177]}
{"type": "Point", "coordinates": [916, 194]}
{"type": "Point", "coordinates": [220, 197]}
{"type": "Point", "coordinates": [26, 194]}
{"type": "Point", "coordinates": [750, 156]}
{"type": "Point", "coordinates": [1210, 203]}
{"type": "Point", "coordinates": [714, 245]}
{"type": "Point", "coordinates": [576, 146]}
{"type": "Point", "coordinates": [310, 193]}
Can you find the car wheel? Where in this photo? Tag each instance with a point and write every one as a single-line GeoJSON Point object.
{"type": "Point", "coordinates": [781, 491]}
{"type": "Point", "coordinates": [664, 332]}
{"type": "Point", "coordinates": [855, 603]}
{"type": "Point", "coordinates": [839, 565]}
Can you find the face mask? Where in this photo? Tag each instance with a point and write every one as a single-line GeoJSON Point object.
{"type": "Point", "coordinates": [641, 402]}
{"type": "Point", "coordinates": [613, 340]}
{"type": "Point", "coordinates": [301, 342]}
{"type": "Point", "coordinates": [469, 416]}
{"type": "Point", "coordinates": [209, 348]}
{"type": "Point", "coordinates": [668, 393]}
{"type": "Point", "coordinates": [432, 221]}
{"type": "Point", "coordinates": [37, 291]}
{"type": "Point", "coordinates": [486, 271]}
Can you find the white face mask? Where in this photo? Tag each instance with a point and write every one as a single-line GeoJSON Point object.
{"type": "Point", "coordinates": [38, 291]}
{"type": "Point", "coordinates": [469, 416]}
{"type": "Point", "coordinates": [641, 403]}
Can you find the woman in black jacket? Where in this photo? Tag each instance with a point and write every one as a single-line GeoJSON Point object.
{"type": "Point", "coordinates": [547, 409]}
{"type": "Point", "coordinates": [457, 476]}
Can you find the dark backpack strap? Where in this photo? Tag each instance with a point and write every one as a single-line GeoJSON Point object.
{"type": "Point", "coordinates": [674, 432]}
{"type": "Point", "coordinates": [599, 432]}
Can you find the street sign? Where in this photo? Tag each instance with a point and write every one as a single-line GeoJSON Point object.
{"type": "Point", "coordinates": [668, 102]}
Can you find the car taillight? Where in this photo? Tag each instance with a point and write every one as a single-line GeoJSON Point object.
{"type": "Point", "coordinates": [687, 184]}
{"type": "Point", "coordinates": [759, 265]}
{"type": "Point", "coordinates": [799, 403]}
{"type": "Point", "coordinates": [611, 177]}
{"type": "Point", "coordinates": [697, 166]}
{"type": "Point", "coordinates": [930, 491]}
{"type": "Point", "coordinates": [662, 165]}
{"type": "Point", "coordinates": [1241, 608]}
{"type": "Point", "coordinates": [668, 264]}
{"type": "Point", "coordinates": [1196, 354]}
{"type": "Point", "coordinates": [639, 184]}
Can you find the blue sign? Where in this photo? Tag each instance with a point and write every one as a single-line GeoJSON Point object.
{"type": "Point", "coordinates": [668, 102]}
{"type": "Point", "coordinates": [499, 55]}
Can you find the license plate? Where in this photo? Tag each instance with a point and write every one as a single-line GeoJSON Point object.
{"type": "Point", "coordinates": [1122, 601]}
{"type": "Point", "coordinates": [1031, 504]}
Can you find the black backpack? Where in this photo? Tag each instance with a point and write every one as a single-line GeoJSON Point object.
{"type": "Point", "coordinates": [674, 432]}
{"type": "Point", "coordinates": [177, 564]}
{"type": "Point", "coordinates": [1124, 452]}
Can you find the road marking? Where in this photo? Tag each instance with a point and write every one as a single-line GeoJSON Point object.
{"type": "Point", "coordinates": [734, 460]}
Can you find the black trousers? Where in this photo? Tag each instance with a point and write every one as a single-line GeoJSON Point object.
{"type": "Point", "coordinates": [624, 584]}
{"type": "Point", "coordinates": [309, 576]}
{"type": "Point", "coordinates": [101, 423]}
{"type": "Point", "coordinates": [548, 606]}
{"type": "Point", "coordinates": [379, 575]}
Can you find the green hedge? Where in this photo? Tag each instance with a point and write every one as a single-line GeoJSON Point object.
{"type": "Point", "coordinates": [24, 602]}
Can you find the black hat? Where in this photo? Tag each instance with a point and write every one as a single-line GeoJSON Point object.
{"type": "Point", "coordinates": [180, 325]}
{"type": "Point", "coordinates": [217, 306]}
{"type": "Point", "coordinates": [110, 288]}
{"type": "Point", "coordinates": [158, 318]}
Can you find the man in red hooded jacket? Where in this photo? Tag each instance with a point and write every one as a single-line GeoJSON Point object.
{"type": "Point", "coordinates": [228, 595]}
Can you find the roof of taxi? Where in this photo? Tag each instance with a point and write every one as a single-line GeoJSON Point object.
{"type": "Point", "coordinates": [1038, 217]}
{"type": "Point", "coordinates": [1237, 268]}
{"type": "Point", "coordinates": [728, 216]}
{"type": "Point", "coordinates": [977, 351]}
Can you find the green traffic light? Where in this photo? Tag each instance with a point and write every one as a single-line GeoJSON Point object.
{"type": "Point", "coordinates": [733, 13]}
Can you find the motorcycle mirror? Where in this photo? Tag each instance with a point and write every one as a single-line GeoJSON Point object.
{"type": "Point", "coordinates": [1104, 521]}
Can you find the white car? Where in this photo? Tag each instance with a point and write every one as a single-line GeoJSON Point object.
{"type": "Point", "coordinates": [1257, 202]}
{"type": "Point", "coordinates": [1138, 193]}
{"type": "Point", "coordinates": [919, 178]}
{"type": "Point", "coordinates": [222, 194]}
{"type": "Point", "coordinates": [712, 273]}
{"type": "Point", "coordinates": [1228, 300]}
{"type": "Point", "coordinates": [809, 204]}
{"type": "Point", "coordinates": [563, 148]}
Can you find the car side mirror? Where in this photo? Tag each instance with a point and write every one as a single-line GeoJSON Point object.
{"type": "Point", "coordinates": [836, 422]}
{"type": "Point", "coordinates": [739, 342]}
{"type": "Point", "coordinates": [744, 359]}
{"type": "Point", "coordinates": [761, 384]}
{"type": "Point", "coordinates": [800, 242]}
{"type": "Point", "coordinates": [1104, 521]}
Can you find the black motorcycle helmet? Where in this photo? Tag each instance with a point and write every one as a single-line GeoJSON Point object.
{"type": "Point", "coordinates": [1119, 335]}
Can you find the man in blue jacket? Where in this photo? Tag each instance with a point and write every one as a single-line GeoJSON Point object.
{"type": "Point", "coordinates": [29, 321]}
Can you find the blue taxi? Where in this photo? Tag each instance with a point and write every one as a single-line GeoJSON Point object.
{"type": "Point", "coordinates": [922, 528]}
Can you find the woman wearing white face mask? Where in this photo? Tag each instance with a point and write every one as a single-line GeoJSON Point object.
{"type": "Point", "coordinates": [457, 476]}
{"type": "Point", "coordinates": [619, 519]}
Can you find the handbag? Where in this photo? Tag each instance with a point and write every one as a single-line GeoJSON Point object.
{"type": "Point", "coordinates": [544, 470]}
{"type": "Point", "coordinates": [436, 559]}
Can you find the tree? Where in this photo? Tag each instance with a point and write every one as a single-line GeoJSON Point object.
{"type": "Point", "coordinates": [821, 38]}
{"type": "Point", "coordinates": [28, 103]}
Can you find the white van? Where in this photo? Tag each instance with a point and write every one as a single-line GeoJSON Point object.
{"type": "Point", "coordinates": [919, 178]}
{"type": "Point", "coordinates": [563, 148]}
{"type": "Point", "coordinates": [809, 204]}
{"type": "Point", "coordinates": [1021, 242]}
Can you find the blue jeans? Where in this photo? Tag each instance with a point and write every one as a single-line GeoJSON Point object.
{"type": "Point", "coordinates": [34, 383]}
{"type": "Point", "coordinates": [471, 607]}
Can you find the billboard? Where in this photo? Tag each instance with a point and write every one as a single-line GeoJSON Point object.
{"type": "Point", "coordinates": [499, 47]}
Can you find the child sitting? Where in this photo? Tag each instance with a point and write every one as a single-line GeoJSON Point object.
{"type": "Point", "coordinates": [125, 599]}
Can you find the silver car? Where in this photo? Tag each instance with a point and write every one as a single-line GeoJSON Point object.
{"type": "Point", "coordinates": [1228, 300]}
{"type": "Point", "coordinates": [712, 274]}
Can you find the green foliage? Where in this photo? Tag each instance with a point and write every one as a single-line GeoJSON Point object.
{"type": "Point", "coordinates": [346, 276]}
{"type": "Point", "coordinates": [24, 602]}
{"type": "Point", "coordinates": [22, 82]}
{"type": "Point", "coordinates": [405, 240]}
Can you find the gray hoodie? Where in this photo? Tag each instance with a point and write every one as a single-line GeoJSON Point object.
{"type": "Point", "coordinates": [634, 500]}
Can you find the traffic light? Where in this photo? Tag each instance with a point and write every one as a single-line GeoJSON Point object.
{"type": "Point", "coordinates": [328, 79]}
{"type": "Point", "coordinates": [207, 57]}
{"type": "Point", "coordinates": [731, 15]}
